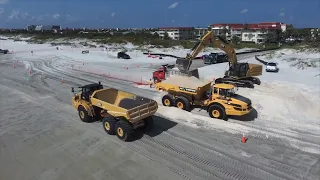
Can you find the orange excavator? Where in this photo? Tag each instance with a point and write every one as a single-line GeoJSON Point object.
{"type": "Point", "coordinates": [238, 74]}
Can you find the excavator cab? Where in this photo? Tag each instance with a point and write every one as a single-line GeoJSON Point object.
{"type": "Point", "coordinates": [238, 70]}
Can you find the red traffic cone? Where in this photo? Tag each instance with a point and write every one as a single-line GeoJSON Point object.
{"type": "Point", "coordinates": [244, 139]}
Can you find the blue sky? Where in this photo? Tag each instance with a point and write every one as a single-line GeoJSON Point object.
{"type": "Point", "coordinates": [156, 13]}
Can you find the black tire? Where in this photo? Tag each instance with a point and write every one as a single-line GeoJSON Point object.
{"type": "Point", "coordinates": [167, 100]}
{"type": "Point", "coordinates": [182, 103]}
{"type": "Point", "coordinates": [148, 124]}
{"type": "Point", "coordinates": [84, 116]}
{"type": "Point", "coordinates": [109, 125]}
{"type": "Point", "coordinates": [124, 130]}
{"type": "Point", "coordinates": [218, 112]}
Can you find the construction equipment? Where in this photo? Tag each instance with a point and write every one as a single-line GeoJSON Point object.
{"type": "Point", "coordinates": [214, 58]}
{"type": "Point", "coordinates": [239, 74]}
{"type": "Point", "coordinates": [161, 74]}
{"type": "Point", "coordinates": [85, 52]}
{"type": "Point", "coordinates": [121, 112]}
{"type": "Point", "coordinates": [220, 100]}
{"type": "Point", "coordinates": [123, 55]}
{"type": "Point", "coordinates": [4, 51]}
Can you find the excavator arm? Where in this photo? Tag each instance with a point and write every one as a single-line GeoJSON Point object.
{"type": "Point", "coordinates": [209, 38]}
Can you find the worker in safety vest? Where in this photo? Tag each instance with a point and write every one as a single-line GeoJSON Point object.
{"type": "Point", "coordinates": [150, 83]}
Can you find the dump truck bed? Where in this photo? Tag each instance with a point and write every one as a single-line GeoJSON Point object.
{"type": "Point", "coordinates": [190, 85]}
{"type": "Point", "coordinates": [123, 104]}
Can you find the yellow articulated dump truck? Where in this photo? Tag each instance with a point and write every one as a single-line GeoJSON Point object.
{"type": "Point", "coordinates": [220, 100]}
{"type": "Point", "coordinates": [121, 112]}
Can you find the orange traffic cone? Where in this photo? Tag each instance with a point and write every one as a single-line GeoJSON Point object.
{"type": "Point", "coordinates": [244, 139]}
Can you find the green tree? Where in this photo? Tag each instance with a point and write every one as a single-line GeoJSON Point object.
{"type": "Point", "coordinates": [235, 40]}
{"type": "Point", "coordinates": [271, 37]}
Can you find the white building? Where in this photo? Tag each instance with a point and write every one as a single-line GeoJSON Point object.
{"type": "Point", "coordinates": [177, 33]}
{"type": "Point", "coordinates": [199, 32]}
{"type": "Point", "coordinates": [315, 33]}
{"type": "Point", "coordinates": [249, 32]}
{"type": "Point", "coordinates": [38, 28]}
{"type": "Point", "coordinates": [256, 36]}
{"type": "Point", "coordinates": [283, 27]}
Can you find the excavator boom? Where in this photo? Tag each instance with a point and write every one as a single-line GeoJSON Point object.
{"type": "Point", "coordinates": [184, 64]}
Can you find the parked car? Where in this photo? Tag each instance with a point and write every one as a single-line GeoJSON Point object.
{"type": "Point", "coordinates": [272, 67]}
{"type": "Point", "coordinates": [85, 52]}
{"type": "Point", "coordinates": [4, 51]}
{"type": "Point", "coordinates": [123, 55]}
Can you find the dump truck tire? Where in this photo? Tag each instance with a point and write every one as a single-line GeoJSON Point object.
{"type": "Point", "coordinates": [218, 112]}
{"type": "Point", "coordinates": [83, 114]}
{"type": "Point", "coordinates": [124, 130]}
{"type": "Point", "coordinates": [148, 124]}
{"type": "Point", "coordinates": [182, 103]}
{"type": "Point", "coordinates": [109, 125]}
{"type": "Point", "coordinates": [167, 100]}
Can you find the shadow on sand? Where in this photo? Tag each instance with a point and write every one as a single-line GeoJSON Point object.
{"type": "Point", "coordinates": [249, 117]}
{"type": "Point", "coordinates": [160, 125]}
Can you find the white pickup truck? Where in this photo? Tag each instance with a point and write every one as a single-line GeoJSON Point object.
{"type": "Point", "coordinates": [272, 67]}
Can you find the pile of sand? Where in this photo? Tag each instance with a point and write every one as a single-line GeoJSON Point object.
{"type": "Point", "coordinates": [184, 81]}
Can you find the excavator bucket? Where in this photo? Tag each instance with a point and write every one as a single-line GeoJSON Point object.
{"type": "Point", "coordinates": [183, 65]}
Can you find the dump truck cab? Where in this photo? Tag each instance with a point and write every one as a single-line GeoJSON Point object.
{"type": "Point", "coordinates": [87, 90]}
{"type": "Point", "coordinates": [159, 74]}
{"type": "Point", "coordinates": [162, 73]}
{"type": "Point", "coordinates": [223, 100]}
